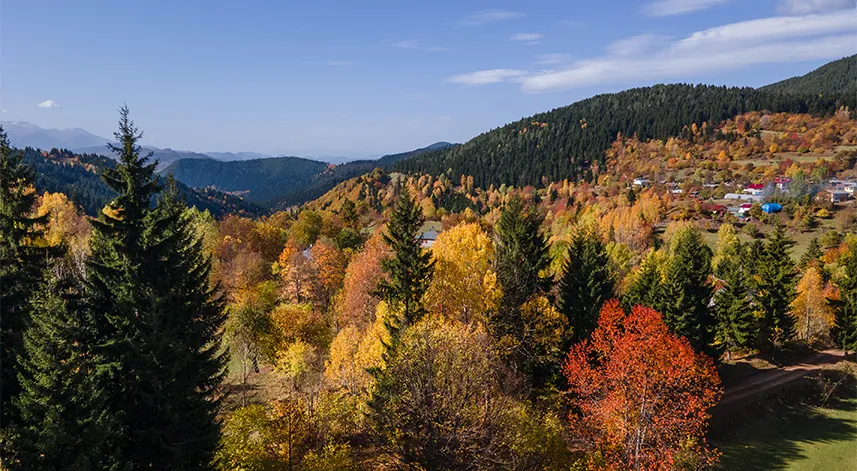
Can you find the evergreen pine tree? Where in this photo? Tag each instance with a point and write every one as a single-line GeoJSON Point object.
{"type": "Point", "coordinates": [645, 287]}
{"type": "Point", "coordinates": [775, 289]}
{"type": "Point", "coordinates": [845, 327]}
{"type": "Point", "coordinates": [813, 253]}
{"type": "Point", "coordinates": [521, 261]}
{"type": "Point", "coordinates": [521, 258]}
{"type": "Point", "coordinates": [156, 320]}
{"type": "Point", "coordinates": [409, 269]}
{"type": "Point", "coordinates": [63, 417]}
{"type": "Point", "coordinates": [585, 284]}
{"type": "Point", "coordinates": [409, 273]}
{"type": "Point", "coordinates": [736, 324]}
{"type": "Point", "coordinates": [686, 292]}
{"type": "Point", "coordinates": [21, 267]}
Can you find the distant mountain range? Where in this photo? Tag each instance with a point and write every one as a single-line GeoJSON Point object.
{"type": "Point", "coordinates": [279, 181]}
{"type": "Point", "coordinates": [23, 134]}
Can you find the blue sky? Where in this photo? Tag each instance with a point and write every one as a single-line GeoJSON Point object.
{"type": "Point", "coordinates": [366, 78]}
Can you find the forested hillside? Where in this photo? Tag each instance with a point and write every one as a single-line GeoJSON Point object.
{"type": "Point", "coordinates": [79, 177]}
{"type": "Point", "coordinates": [836, 77]}
{"type": "Point", "coordinates": [279, 182]}
{"type": "Point", "coordinates": [569, 142]}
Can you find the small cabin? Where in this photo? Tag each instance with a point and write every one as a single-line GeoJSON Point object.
{"type": "Point", "coordinates": [428, 238]}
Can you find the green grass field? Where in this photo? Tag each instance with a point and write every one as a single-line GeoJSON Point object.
{"type": "Point", "coordinates": [801, 439]}
{"type": "Point", "coordinates": [794, 429]}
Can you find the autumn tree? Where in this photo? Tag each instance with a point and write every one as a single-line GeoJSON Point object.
{"type": "Point", "coordinates": [440, 407]}
{"type": "Point", "coordinates": [259, 438]}
{"type": "Point", "coordinates": [810, 308]}
{"type": "Point", "coordinates": [356, 305]}
{"type": "Point", "coordinates": [330, 265]}
{"type": "Point", "coordinates": [248, 329]}
{"type": "Point", "coordinates": [640, 394]}
{"type": "Point", "coordinates": [464, 284]}
{"type": "Point", "coordinates": [774, 287]}
{"type": "Point", "coordinates": [585, 284]}
{"type": "Point", "coordinates": [298, 271]}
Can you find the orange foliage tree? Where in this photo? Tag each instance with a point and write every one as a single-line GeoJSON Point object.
{"type": "Point", "coordinates": [640, 394]}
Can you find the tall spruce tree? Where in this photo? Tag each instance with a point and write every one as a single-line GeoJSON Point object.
{"type": "Point", "coordinates": [812, 255]}
{"type": "Point", "coordinates": [21, 266]}
{"type": "Point", "coordinates": [646, 284]}
{"type": "Point", "coordinates": [157, 320]}
{"type": "Point", "coordinates": [521, 259]}
{"type": "Point", "coordinates": [64, 424]}
{"type": "Point", "coordinates": [775, 290]}
{"type": "Point", "coordinates": [521, 262]}
{"type": "Point", "coordinates": [736, 323]}
{"type": "Point", "coordinates": [409, 270]}
{"type": "Point", "coordinates": [686, 292]}
{"type": "Point", "coordinates": [845, 327]}
{"type": "Point", "coordinates": [585, 285]}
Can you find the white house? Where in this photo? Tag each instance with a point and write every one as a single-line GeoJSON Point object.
{"type": "Point", "coordinates": [838, 196]}
{"type": "Point", "coordinates": [641, 181]}
{"type": "Point", "coordinates": [742, 197]}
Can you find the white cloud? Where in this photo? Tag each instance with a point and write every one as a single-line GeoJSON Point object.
{"type": "Point", "coordinates": [483, 17]}
{"type": "Point", "coordinates": [552, 59]}
{"type": "Point", "coordinates": [48, 104]}
{"type": "Point", "coordinates": [678, 7]}
{"type": "Point", "coordinates": [768, 29]}
{"type": "Point", "coordinates": [339, 63]}
{"type": "Point", "coordinates": [486, 76]}
{"type": "Point", "coordinates": [417, 45]}
{"type": "Point", "coordinates": [802, 7]}
{"type": "Point", "coordinates": [529, 38]}
{"type": "Point", "coordinates": [715, 50]}
{"type": "Point", "coordinates": [635, 45]}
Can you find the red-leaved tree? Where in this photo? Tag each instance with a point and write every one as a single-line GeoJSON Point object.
{"type": "Point", "coordinates": [640, 395]}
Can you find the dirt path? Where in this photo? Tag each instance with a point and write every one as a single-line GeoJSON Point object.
{"type": "Point", "coordinates": [774, 378]}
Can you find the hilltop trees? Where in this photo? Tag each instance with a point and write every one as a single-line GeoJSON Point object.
{"type": "Point", "coordinates": [640, 394]}
{"type": "Point", "coordinates": [156, 321]}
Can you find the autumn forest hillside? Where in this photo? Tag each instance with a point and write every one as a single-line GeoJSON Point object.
{"type": "Point", "coordinates": [585, 289]}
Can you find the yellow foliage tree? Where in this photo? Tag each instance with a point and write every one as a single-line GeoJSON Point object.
{"type": "Point", "coordinates": [464, 285]}
{"type": "Point", "coordinates": [813, 314]}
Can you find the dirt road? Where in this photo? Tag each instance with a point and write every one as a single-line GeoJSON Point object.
{"type": "Point", "coordinates": [774, 378]}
